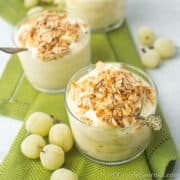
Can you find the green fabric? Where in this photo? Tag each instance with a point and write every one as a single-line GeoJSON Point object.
{"type": "Point", "coordinates": [18, 99]}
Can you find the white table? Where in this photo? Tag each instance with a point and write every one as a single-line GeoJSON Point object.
{"type": "Point", "coordinates": [163, 16]}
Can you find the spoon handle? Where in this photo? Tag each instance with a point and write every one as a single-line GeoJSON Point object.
{"type": "Point", "coordinates": [12, 50]}
{"type": "Point", "coordinates": [153, 121]}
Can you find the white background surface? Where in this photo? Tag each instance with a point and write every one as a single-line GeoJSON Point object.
{"type": "Point", "coordinates": [163, 16]}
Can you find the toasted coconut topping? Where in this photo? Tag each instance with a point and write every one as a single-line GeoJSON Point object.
{"type": "Point", "coordinates": [51, 34]}
{"type": "Point", "coordinates": [115, 94]}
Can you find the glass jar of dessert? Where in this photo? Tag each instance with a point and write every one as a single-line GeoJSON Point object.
{"type": "Point", "coordinates": [109, 105]}
{"type": "Point", "coordinates": [103, 15]}
{"type": "Point", "coordinates": [58, 45]}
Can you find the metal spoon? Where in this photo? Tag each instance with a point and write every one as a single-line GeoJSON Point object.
{"type": "Point", "coordinates": [12, 50]}
{"type": "Point", "coordinates": [153, 121]}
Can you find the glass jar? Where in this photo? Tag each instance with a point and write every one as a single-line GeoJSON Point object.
{"type": "Point", "coordinates": [103, 15]}
{"type": "Point", "coordinates": [52, 75]}
{"type": "Point", "coordinates": [112, 145]}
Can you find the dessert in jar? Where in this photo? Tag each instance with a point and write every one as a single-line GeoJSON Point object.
{"type": "Point", "coordinates": [103, 15]}
{"type": "Point", "coordinates": [58, 45]}
{"type": "Point", "coordinates": [104, 103]}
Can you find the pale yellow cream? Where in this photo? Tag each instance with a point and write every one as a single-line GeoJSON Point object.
{"type": "Point", "coordinates": [50, 70]}
{"type": "Point", "coordinates": [100, 13]}
{"type": "Point", "coordinates": [107, 142]}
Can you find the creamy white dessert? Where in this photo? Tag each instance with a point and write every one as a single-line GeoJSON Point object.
{"type": "Point", "coordinates": [58, 46]}
{"type": "Point", "coordinates": [103, 105]}
{"type": "Point", "coordinates": [100, 13]}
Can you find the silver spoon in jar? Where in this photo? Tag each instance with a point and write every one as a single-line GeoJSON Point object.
{"type": "Point", "coordinates": [12, 50]}
{"type": "Point", "coordinates": [153, 121]}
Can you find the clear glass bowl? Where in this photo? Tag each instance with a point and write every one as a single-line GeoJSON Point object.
{"type": "Point", "coordinates": [103, 15]}
{"type": "Point", "coordinates": [52, 76]}
{"type": "Point", "coordinates": [109, 146]}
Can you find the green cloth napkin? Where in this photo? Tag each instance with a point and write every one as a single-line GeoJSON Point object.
{"type": "Point", "coordinates": [18, 100]}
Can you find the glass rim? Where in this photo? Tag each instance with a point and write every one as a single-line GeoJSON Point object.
{"type": "Point", "coordinates": [150, 81]}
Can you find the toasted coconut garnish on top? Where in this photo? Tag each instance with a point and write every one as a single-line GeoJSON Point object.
{"type": "Point", "coordinates": [51, 34]}
{"type": "Point", "coordinates": [115, 94]}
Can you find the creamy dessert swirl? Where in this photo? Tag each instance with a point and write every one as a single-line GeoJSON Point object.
{"type": "Point", "coordinates": [51, 36]}
{"type": "Point", "coordinates": [58, 45]}
{"type": "Point", "coordinates": [111, 96]}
